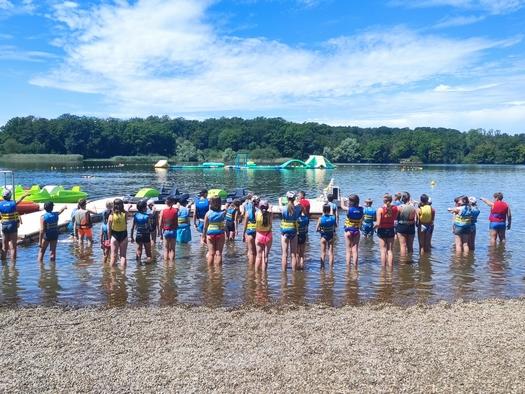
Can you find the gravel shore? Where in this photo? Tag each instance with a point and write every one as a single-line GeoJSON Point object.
{"type": "Point", "coordinates": [463, 347]}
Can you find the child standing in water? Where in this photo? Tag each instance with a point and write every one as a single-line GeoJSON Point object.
{"type": "Point", "coordinates": [385, 224]}
{"type": "Point", "coordinates": [153, 220]}
{"type": "Point", "coordinates": [462, 224]}
{"type": "Point", "coordinates": [250, 224]}
{"type": "Point", "coordinates": [118, 232]}
{"type": "Point", "coordinates": [83, 224]}
{"type": "Point", "coordinates": [213, 232]}
{"type": "Point", "coordinates": [231, 219]}
{"type": "Point", "coordinates": [141, 222]}
{"type": "Point", "coordinates": [326, 227]}
{"type": "Point", "coordinates": [183, 229]}
{"type": "Point", "coordinates": [425, 215]}
{"type": "Point", "coordinates": [333, 206]}
{"type": "Point", "coordinates": [353, 220]}
{"type": "Point", "coordinates": [289, 216]}
{"type": "Point", "coordinates": [169, 221]}
{"type": "Point", "coordinates": [369, 217]}
{"type": "Point", "coordinates": [105, 242]}
{"type": "Point", "coordinates": [202, 206]}
{"type": "Point", "coordinates": [49, 232]}
{"type": "Point", "coordinates": [263, 238]}
{"type": "Point", "coordinates": [303, 223]}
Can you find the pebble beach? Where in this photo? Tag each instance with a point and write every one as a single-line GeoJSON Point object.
{"type": "Point", "coordinates": [459, 347]}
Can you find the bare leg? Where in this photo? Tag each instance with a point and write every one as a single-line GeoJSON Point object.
{"type": "Point", "coordinates": [52, 250]}
{"type": "Point", "coordinates": [147, 248]}
{"type": "Point", "coordinates": [211, 251]}
{"type": "Point", "coordinates": [139, 251]}
{"type": "Point", "coordinates": [331, 252]}
{"type": "Point", "coordinates": [355, 249]}
{"type": "Point", "coordinates": [266, 251]}
{"type": "Point", "coordinates": [410, 243]}
{"type": "Point", "coordinates": [493, 237]}
{"type": "Point", "coordinates": [501, 235]}
{"type": "Point", "coordinates": [123, 247]}
{"type": "Point", "coordinates": [402, 244]}
{"type": "Point", "coordinates": [459, 246]}
{"type": "Point", "coordinates": [42, 250]}
{"type": "Point", "coordinates": [390, 251]}
{"type": "Point", "coordinates": [219, 247]}
{"type": "Point", "coordinates": [285, 242]}
{"type": "Point", "coordinates": [323, 251]}
{"type": "Point", "coordinates": [260, 256]}
{"type": "Point", "coordinates": [293, 252]}
{"type": "Point", "coordinates": [13, 237]}
{"type": "Point", "coordinates": [114, 251]}
{"type": "Point", "coordinates": [250, 249]}
{"type": "Point", "coordinates": [382, 248]}
{"type": "Point", "coordinates": [348, 245]}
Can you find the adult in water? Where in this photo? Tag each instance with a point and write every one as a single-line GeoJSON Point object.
{"type": "Point", "coordinates": [385, 218]}
{"type": "Point", "coordinates": [354, 218]}
{"type": "Point", "coordinates": [118, 232]}
{"type": "Point", "coordinates": [49, 231]}
{"type": "Point", "coordinates": [202, 206]}
{"type": "Point", "coordinates": [249, 227]}
{"type": "Point", "coordinates": [289, 216]}
{"type": "Point", "coordinates": [500, 218]}
{"type": "Point", "coordinates": [406, 225]}
{"type": "Point", "coordinates": [425, 224]}
{"type": "Point", "coordinates": [141, 223]}
{"type": "Point", "coordinates": [263, 238]}
{"type": "Point", "coordinates": [169, 222]}
{"type": "Point", "coordinates": [10, 222]}
{"type": "Point", "coordinates": [213, 233]}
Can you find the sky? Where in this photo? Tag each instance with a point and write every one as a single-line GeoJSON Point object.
{"type": "Point", "coordinates": [413, 63]}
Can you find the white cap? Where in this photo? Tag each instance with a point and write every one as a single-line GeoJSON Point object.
{"type": "Point", "coordinates": [7, 193]}
{"type": "Point", "coordinates": [151, 201]}
{"type": "Point", "coordinates": [472, 200]}
{"type": "Point", "coordinates": [290, 195]}
{"type": "Point", "coordinates": [255, 198]}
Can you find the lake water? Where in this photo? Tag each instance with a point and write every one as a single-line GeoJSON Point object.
{"type": "Point", "coordinates": [79, 276]}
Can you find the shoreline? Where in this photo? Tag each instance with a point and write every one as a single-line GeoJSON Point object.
{"type": "Point", "coordinates": [463, 346]}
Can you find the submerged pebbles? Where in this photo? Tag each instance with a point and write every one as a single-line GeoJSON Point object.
{"type": "Point", "coordinates": [463, 347]}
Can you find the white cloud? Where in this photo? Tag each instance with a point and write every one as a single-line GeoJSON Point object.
{"type": "Point", "coordinates": [6, 5]}
{"type": "Point", "coordinates": [162, 56]}
{"type": "Point", "coordinates": [494, 7]}
{"type": "Point", "coordinates": [459, 21]}
{"type": "Point", "coordinates": [10, 52]}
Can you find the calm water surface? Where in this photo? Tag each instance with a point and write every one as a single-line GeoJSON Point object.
{"type": "Point", "coordinates": [80, 278]}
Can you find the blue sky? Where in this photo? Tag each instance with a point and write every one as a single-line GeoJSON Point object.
{"type": "Point", "coordinates": [449, 63]}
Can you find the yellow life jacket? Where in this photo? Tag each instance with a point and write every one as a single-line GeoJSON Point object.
{"type": "Point", "coordinates": [425, 214]}
{"type": "Point", "coordinates": [118, 222]}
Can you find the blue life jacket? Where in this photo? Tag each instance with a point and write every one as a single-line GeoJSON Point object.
{"type": "Point", "coordinates": [289, 222]}
{"type": "Point", "coordinates": [142, 223]}
{"type": "Point", "coordinates": [251, 226]}
{"type": "Point", "coordinates": [184, 217]}
{"type": "Point", "coordinates": [8, 212]}
{"type": "Point", "coordinates": [202, 206]}
{"type": "Point", "coordinates": [216, 222]}
{"type": "Point", "coordinates": [475, 213]}
{"type": "Point", "coordinates": [354, 217]}
{"type": "Point", "coordinates": [327, 225]}
{"type": "Point", "coordinates": [51, 221]}
{"type": "Point", "coordinates": [369, 215]}
{"type": "Point", "coordinates": [104, 229]}
{"type": "Point", "coordinates": [230, 212]}
{"type": "Point", "coordinates": [303, 222]}
{"type": "Point", "coordinates": [464, 217]}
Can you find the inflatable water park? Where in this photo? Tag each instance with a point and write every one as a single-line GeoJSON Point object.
{"type": "Point", "coordinates": [314, 162]}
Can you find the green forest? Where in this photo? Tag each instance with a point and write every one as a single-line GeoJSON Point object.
{"type": "Point", "coordinates": [262, 138]}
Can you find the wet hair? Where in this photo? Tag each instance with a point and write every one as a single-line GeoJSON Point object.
{"type": "Point", "coordinates": [423, 199]}
{"type": "Point", "coordinates": [498, 196]}
{"type": "Point", "coordinates": [118, 205]}
{"type": "Point", "coordinates": [353, 200]}
{"type": "Point", "coordinates": [215, 203]}
{"type": "Point", "coordinates": [265, 215]}
{"type": "Point", "coordinates": [170, 200]}
{"type": "Point", "coordinates": [405, 197]}
{"type": "Point", "coordinates": [48, 206]}
{"type": "Point", "coordinates": [142, 205]}
{"type": "Point", "coordinates": [291, 207]}
{"type": "Point", "coordinates": [82, 203]}
{"type": "Point", "coordinates": [327, 209]}
{"type": "Point", "coordinates": [330, 197]}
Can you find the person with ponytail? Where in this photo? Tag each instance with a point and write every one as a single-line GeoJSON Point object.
{"type": "Point", "coordinates": [263, 238]}
{"type": "Point", "coordinates": [118, 232]}
{"type": "Point", "coordinates": [289, 216]}
{"type": "Point", "coordinates": [385, 224]}
{"type": "Point", "coordinates": [249, 225]}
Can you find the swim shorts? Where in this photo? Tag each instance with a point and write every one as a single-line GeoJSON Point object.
{"type": "Point", "coordinates": [367, 229]}
{"type": "Point", "coordinates": [230, 226]}
{"type": "Point", "coordinates": [290, 236]}
{"type": "Point", "coordinates": [51, 235]}
{"type": "Point", "coordinates": [406, 228]}
{"type": "Point", "coordinates": [169, 234]}
{"type": "Point", "coordinates": [426, 228]}
{"type": "Point", "coordinates": [143, 238]}
{"type": "Point", "coordinates": [462, 230]}
{"type": "Point", "coordinates": [386, 233]}
{"type": "Point", "coordinates": [327, 236]}
{"type": "Point", "coordinates": [215, 237]}
{"type": "Point", "coordinates": [301, 238]}
{"type": "Point", "coordinates": [497, 225]}
{"type": "Point", "coordinates": [263, 237]}
{"type": "Point", "coordinates": [85, 232]}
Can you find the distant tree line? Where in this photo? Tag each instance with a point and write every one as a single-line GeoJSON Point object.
{"type": "Point", "coordinates": [262, 138]}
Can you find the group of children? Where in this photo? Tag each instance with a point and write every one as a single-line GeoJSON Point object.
{"type": "Point", "coordinates": [399, 217]}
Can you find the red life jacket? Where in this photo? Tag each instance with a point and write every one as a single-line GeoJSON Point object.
{"type": "Point", "coordinates": [387, 220]}
{"type": "Point", "coordinates": [170, 218]}
{"type": "Point", "coordinates": [499, 211]}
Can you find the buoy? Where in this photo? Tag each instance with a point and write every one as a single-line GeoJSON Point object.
{"type": "Point", "coordinates": [433, 183]}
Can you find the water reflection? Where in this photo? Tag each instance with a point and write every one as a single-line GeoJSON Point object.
{"type": "Point", "coordinates": [48, 283]}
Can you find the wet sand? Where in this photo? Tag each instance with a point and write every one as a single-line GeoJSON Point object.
{"type": "Point", "coordinates": [462, 347]}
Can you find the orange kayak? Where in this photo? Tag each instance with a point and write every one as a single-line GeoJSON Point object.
{"type": "Point", "coordinates": [27, 207]}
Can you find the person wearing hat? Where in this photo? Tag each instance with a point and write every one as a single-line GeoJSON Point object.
{"type": "Point", "coordinates": [10, 221]}
{"type": "Point", "coordinates": [289, 216]}
{"type": "Point", "coordinates": [425, 215]}
{"type": "Point", "coordinates": [202, 206]}
{"type": "Point", "coordinates": [48, 235]}
{"type": "Point", "coordinates": [369, 217]}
